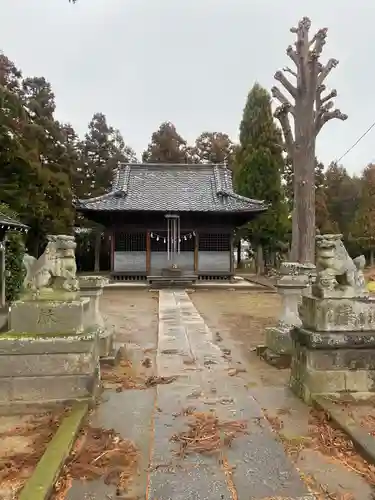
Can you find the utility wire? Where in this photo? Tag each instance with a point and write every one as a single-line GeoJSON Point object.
{"type": "Point", "coordinates": [357, 141]}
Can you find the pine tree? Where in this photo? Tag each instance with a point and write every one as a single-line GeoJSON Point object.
{"type": "Point", "coordinates": [259, 166]}
{"type": "Point", "coordinates": [167, 146]}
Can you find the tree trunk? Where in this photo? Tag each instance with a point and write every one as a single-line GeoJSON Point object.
{"type": "Point", "coordinates": [239, 254]}
{"type": "Point", "coordinates": [304, 187]}
{"type": "Point", "coordinates": [294, 249]}
{"type": "Point", "coordinates": [259, 260]}
{"type": "Point", "coordinates": [306, 209]}
{"type": "Point", "coordinates": [372, 257]}
{"type": "Point", "coordinates": [98, 241]}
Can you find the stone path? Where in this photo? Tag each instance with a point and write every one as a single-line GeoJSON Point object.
{"type": "Point", "coordinates": [187, 349]}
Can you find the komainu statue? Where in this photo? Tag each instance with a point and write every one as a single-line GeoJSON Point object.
{"type": "Point", "coordinates": [337, 274]}
{"type": "Point", "coordinates": [56, 268]}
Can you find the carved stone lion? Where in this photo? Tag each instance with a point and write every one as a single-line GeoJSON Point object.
{"type": "Point", "coordinates": [337, 274]}
{"type": "Point", "coordinates": [56, 267]}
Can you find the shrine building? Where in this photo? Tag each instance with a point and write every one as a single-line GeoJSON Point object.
{"type": "Point", "coordinates": [171, 220]}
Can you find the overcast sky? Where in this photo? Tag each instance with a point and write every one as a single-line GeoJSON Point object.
{"type": "Point", "coordinates": [141, 62]}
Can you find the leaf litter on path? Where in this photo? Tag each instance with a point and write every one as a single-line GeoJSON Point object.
{"type": "Point", "coordinates": [331, 442]}
{"type": "Point", "coordinates": [124, 376]}
{"type": "Point", "coordinates": [99, 454]}
{"type": "Point", "coordinates": [206, 434]}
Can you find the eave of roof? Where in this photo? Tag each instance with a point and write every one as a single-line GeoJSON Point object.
{"type": "Point", "coordinates": [8, 223]}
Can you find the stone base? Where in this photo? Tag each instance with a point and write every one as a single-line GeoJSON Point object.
{"type": "Point", "coordinates": [106, 338]}
{"type": "Point", "coordinates": [279, 347]}
{"type": "Point", "coordinates": [334, 364]}
{"type": "Point", "coordinates": [35, 317]}
{"type": "Point", "coordinates": [338, 314]}
{"type": "Point", "coordinates": [280, 361]}
{"type": "Point", "coordinates": [48, 369]}
{"type": "Point", "coordinates": [278, 339]}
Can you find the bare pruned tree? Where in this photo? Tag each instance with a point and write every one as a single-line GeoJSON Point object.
{"type": "Point", "coordinates": [308, 108]}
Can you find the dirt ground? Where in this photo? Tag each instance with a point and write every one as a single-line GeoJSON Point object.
{"type": "Point", "coordinates": [243, 316]}
{"type": "Point", "coordinates": [23, 440]}
{"type": "Point", "coordinates": [132, 313]}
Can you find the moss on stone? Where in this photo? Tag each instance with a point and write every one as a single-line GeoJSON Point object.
{"type": "Point", "coordinates": [88, 334]}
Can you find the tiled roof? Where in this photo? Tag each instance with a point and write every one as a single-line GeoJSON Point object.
{"type": "Point", "coordinates": [9, 223]}
{"type": "Point", "coordinates": [175, 188]}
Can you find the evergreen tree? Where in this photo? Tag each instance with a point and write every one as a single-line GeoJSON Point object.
{"type": "Point", "coordinates": [363, 226]}
{"type": "Point", "coordinates": [167, 146]}
{"type": "Point", "coordinates": [46, 135]}
{"type": "Point", "coordinates": [322, 216]}
{"type": "Point", "coordinates": [14, 253]}
{"type": "Point", "coordinates": [101, 150]}
{"type": "Point", "coordinates": [259, 166]}
{"type": "Point", "coordinates": [343, 193]}
{"type": "Point", "coordinates": [21, 176]}
{"type": "Point", "coordinates": [213, 147]}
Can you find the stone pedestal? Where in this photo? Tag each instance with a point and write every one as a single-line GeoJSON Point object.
{"type": "Point", "coordinates": [92, 289]}
{"type": "Point", "coordinates": [278, 340]}
{"type": "Point", "coordinates": [50, 354]}
{"type": "Point", "coordinates": [45, 370]}
{"type": "Point", "coordinates": [35, 317]}
{"type": "Point", "coordinates": [334, 351]}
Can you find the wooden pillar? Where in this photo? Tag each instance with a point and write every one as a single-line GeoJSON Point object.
{"type": "Point", "coordinates": [148, 252]}
{"type": "Point", "coordinates": [98, 242]}
{"type": "Point", "coordinates": [231, 252]}
{"type": "Point", "coordinates": [196, 252]}
{"type": "Point", "coordinates": [113, 236]}
{"type": "Point", "coordinates": [3, 274]}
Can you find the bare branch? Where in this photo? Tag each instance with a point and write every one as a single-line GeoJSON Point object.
{"type": "Point", "coordinates": [292, 54]}
{"type": "Point", "coordinates": [280, 77]}
{"type": "Point", "coordinates": [319, 39]}
{"type": "Point", "coordinates": [302, 51]}
{"type": "Point", "coordinates": [276, 92]}
{"type": "Point", "coordinates": [303, 25]}
{"type": "Point", "coordinates": [329, 96]}
{"type": "Point", "coordinates": [320, 102]}
{"type": "Point", "coordinates": [329, 105]}
{"type": "Point", "coordinates": [288, 70]}
{"type": "Point", "coordinates": [326, 116]}
{"type": "Point", "coordinates": [281, 113]}
{"type": "Point", "coordinates": [325, 71]}
{"type": "Point", "coordinates": [319, 66]}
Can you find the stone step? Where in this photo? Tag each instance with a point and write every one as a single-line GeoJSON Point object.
{"type": "Point", "coordinates": [191, 277]}
{"type": "Point", "coordinates": [42, 365]}
{"type": "Point", "coordinates": [113, 357]}
{"type": "Point", "coordinates": [105, 342]}
{"type": "Point", "coordinates": [171, 283]}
